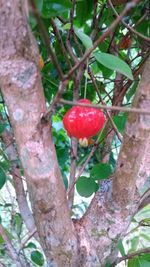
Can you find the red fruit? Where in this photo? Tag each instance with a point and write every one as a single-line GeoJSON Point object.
{"type": "Point", "coordinates": [83, 122]}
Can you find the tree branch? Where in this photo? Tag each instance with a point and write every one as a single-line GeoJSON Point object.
{"type": "Point", "coordinates": [128, 7]}
{"type": "Point", "coordinates": [28, 237]}
{"type": "Point", "coordinates": [99, 106]}
{"type": "Point", "coordinates": [10, 249]}
{"type": "Point", "coordinates": [47, 115]}
{"type": "Point", "coordinates": [61, 44]}
{"type": "Point", "coordinates": [25, 212]}
{"type": "Point", "coordinates": [111, 210]}
{"type": "Point", "coordinates": [131, 29]}
{"type": "Point", "coordinates": [136, 73]}
{"type": "Point", "coordinates": [74, 142]}
{"type": "Point", "coordinates": [142, 180]}
{"type": "Point", "coordinates": [46, 39]}
{"type": "Point", "coordinates": [136, 136]}
{"type": "Point", "coordinates": [82, 168]}
{"type": "Point", "coordinates": [2, 264]}
{"type": "Point", "coordinates": [11, 153]}
{"type": "Point", "coordinates": [131, 255]}
{"type": "Point", "coordinates": [23, 94]}
{"type": "Point", "coordinates": [107, 112]}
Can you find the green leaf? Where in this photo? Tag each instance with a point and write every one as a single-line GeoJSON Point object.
{"type": "Point", "coordinates": [9, 234]}
{"type": "Point", "coordinates": [143, 28]}
{"type": "Point", "coordinates": [30, 245]}
{"type": "Point", "coordinates": [138, 262]}
{"type": "Point", "coordinates": [108, 264]}
{"type": "Point", "coordinates": [55, 7]}
{"type": "Point", "coordinates": [145, 256]}
{"type": "Point", "coordinates": [144, 263]}
{"type": "Point", "coordinates": [121, 247]}
{"type": "Point", "coordinates": [2, 127]}
{"type": "Point", "coordinates": [105, 71]}
{"type": "Point", "coordinates": [32, 19]}
{"type": "Point", "coordinates": [112, 160]}
{"type": "Point", "coordinates": [5, 165]}
{"type": "Point", "coordinates": [85, 39]}
{"type": "Point", "coordinates": [83, 11]}
{"type": "Point", "coordinates": [145, 236]}
{"type": "Point", "coordinates": [8, 205]}
{"type": "Point", "coordinates": [120, 121]}
{"type": "Point", "coordinates": [1, 240]}
{"type": "Point", "coordinates": [65, 180]}
{"type": "Point", "coordinates": [86, 186]}
{"type": "Point", "coordinates": [134, 243]}
{"type": "Point", "coordinates": [67, 26]}
{"type": "Point", "coordinates": [2, 178]}
{"type": "Point", "coordinates": [37, 257]}
{"type": "Point", "coordinates": [17, 221]}
{"type": "Point", "coordinates": [146, 220]}
{"type": "Point", "coordinates": [62, 155]}
{"type": "Point", "coordinates": [101, 171]}
{"type": "Point", "coordinates": [134, 263]}
{"type": "Point", "coordinates": [114, 63]}
{"type": "Point", "coordinates": [131, 91]}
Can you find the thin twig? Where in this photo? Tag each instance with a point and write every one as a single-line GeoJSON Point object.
{"type": "Point", "coordinates": [136, 72]}
{"type": "Point", "coordinates": [56, 99]}
{"type": "Point", "coordinates": [131, 255]}
{"type": "Point", "coordinates": [25, 211]}
{"type": "Point", "coordinates": [99, 106]}
{"type": "Point", "coordinates": [62, 20]}
{"type": "Point", "coordinates": [141, 19]}
{"type": "Point", "coordinates": [78, 44]}
{"type": "Point", "coordinates": [10, 249]}
{"type": "Point", "coordinates": [96, 23]}
{"type": "Point", "coordinates": [131, 29]}
{"type": "Point", "coordinates": [95, 13]}
{"type": "Point", "coordinates": [128, 7]}
{"type": "Point", "coordinates": [60, 42]}
{"type": "Point", "coordinates": [70, 51]}
{"type": "Point", "coordinates": [107, 112]}
{"type": "Point", "coordinates": [74, 145]}
{"type": "Point", "coordinates": [71, 30]}
{"type": "Point", "coordinates": [46, 39]}
{"type": "Point", "coordinates": [83, 167]}
{"type": "Point", "coordinates": [11, 152]}
{"type": "Point", "coordinates": [145, 199]}
{"type": "Point", "coordinates": [2, 264]}
{"type": "Point", "coordinates": [141, 223]}
{"type": "Point", "coordinates": [74, 141]}
{"type": "Point", "coordinates": [94, 148]}
{"type": "Point", "coordinates": [71, 34]}
{"type": "Point", "coordinates": [24, 242]}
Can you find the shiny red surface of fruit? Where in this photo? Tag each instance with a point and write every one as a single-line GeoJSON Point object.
{"type": "Point", "coordinates": [83, 122]}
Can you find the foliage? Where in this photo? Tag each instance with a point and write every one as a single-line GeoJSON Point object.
{"type": "Point", "coordinates": [108, 63]}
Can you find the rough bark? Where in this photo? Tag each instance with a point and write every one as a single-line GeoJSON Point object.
{"type": "Point", "coordinates": [143, 179]}
{"type": "Point", "coordinates": [92, 240]}
{"type": "Point", "coordinates": [110, 213]}
{"type": "Point", "coordinates": [23, 94]}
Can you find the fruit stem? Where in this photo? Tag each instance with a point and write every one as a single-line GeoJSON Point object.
{"type": "Point", "coordinates": [86, 77]}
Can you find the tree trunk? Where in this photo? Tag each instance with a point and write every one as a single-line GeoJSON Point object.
{"type": "Point", "coordinates": [23, 93]}
{"type": "Point", "coordinates": [91, 241]}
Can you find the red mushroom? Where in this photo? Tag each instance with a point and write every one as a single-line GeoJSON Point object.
{"type": "Point", "coordinates": [83, 122]}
